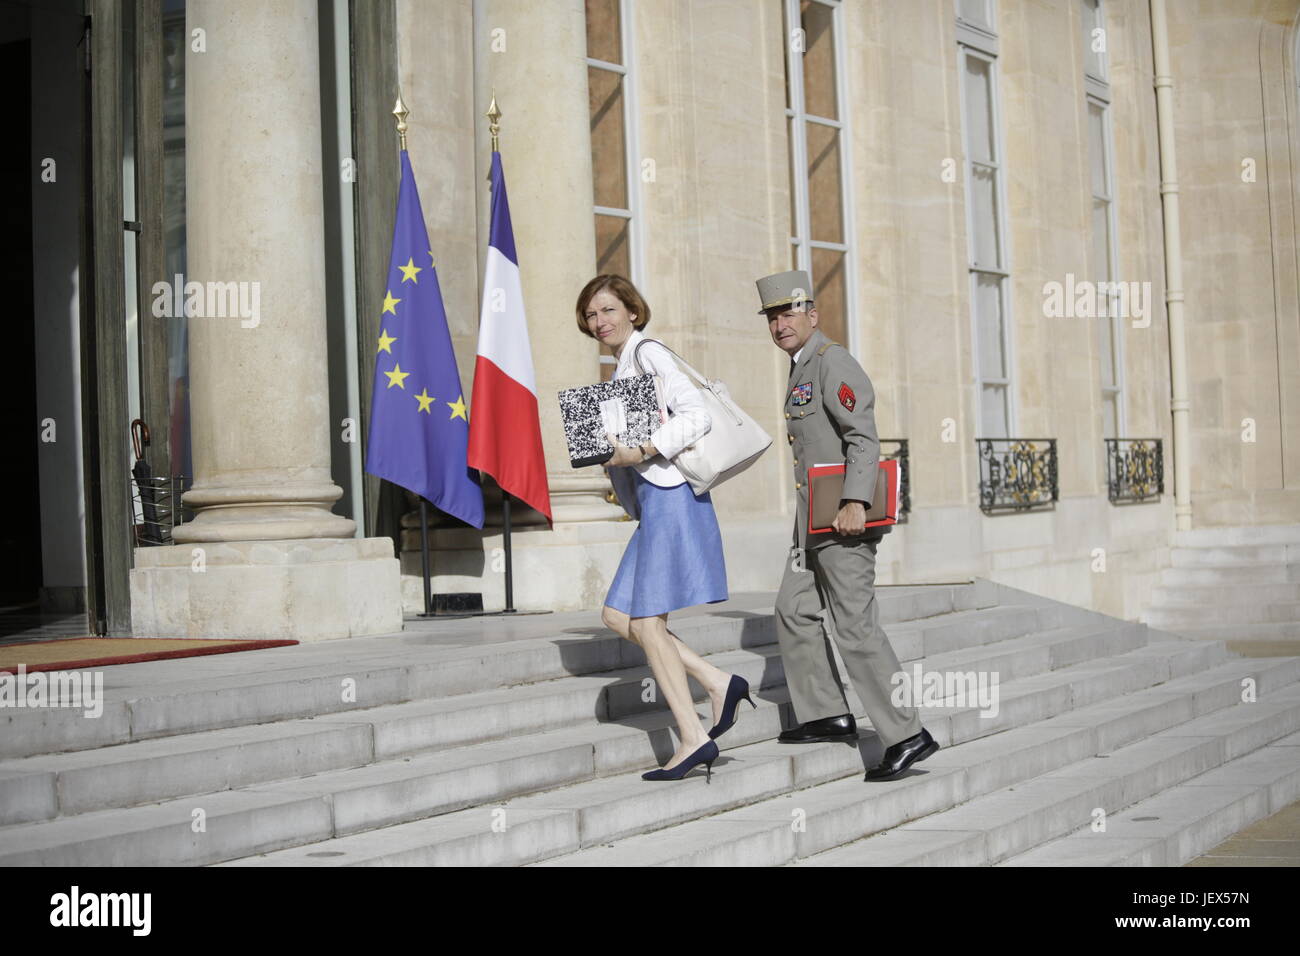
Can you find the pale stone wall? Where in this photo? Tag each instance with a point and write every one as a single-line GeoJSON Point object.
{"type": "Point", "coordinates": [712, 89]}
{"type": "Point", "coordinates": [1235, 101]}
{"type": "Point", "coordinates": [1056, 359]}
{"type": "Point", "coordinates": [436, 65]}
{"type": "Point", "coordinates": [914, 308]}
{"type": "Point", "coordinates": [716, 215]}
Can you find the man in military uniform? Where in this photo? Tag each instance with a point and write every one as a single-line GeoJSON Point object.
{"type": "Point", "coordinates": [830, 417]}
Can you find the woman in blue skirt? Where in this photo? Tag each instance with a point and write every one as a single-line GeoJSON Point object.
{"type": "Point", "coordinates": [674, 559]}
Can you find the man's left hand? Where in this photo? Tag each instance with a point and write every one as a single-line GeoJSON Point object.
{"type": "Point", "coordinates": [852, 518]}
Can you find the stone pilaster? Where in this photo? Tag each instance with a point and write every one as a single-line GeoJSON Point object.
{"type": "Point", "coordinates": [533, 55]}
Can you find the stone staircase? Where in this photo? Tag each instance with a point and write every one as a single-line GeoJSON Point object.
{"type": "Point", "coordinates": [1235, 584]}
{"type": "Point", "coordinates": [488, 743]}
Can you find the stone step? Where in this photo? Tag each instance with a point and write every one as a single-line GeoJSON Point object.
{"type": "Point", "coordinates": [1251, 535]}
{"type": "Point", "coordinates": [1242, 555]}
{"type": "Point", "coordinates": [191, 701]}
{"type": "Point", "coordinates": [614, 806]}
{"type": "Point", "coordinates": [1165, 596]}
{"type": "Point", "coordinates": [1227, 575]}
{"type": "Point", "coordinates": [64, 785]}
{"type": "Point", "coordinates": [1288, 631]}
{"type": "Point", "coordinates": [1226, 615]}
{"type": "Point", "coordinates": [45, 787]}
{"type": "Point", "coordinates": [1183, 822]}
{"type": "Point", "coordinates": [543, 827]}
{"type": "Point", "coordinates": [913, 602]}
{"type": "Point", "coordinates": [998, 826]}
{"type": "Point", "coordinates": [837, 813]}
{"type": "Point", "coordinates": [950, 632]}
{"type": "Point", "coordinates": [158, 699]}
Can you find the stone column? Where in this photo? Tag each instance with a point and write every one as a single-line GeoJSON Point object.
{"type": "Point", "coordinates": [258, 379]}
{"type": "Point", "coordinates": [258, 390]}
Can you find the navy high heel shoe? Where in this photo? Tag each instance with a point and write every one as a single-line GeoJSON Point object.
{"type": "Point", "coordinates": [705, 755]}
{"type": "Point", "coordinates": [737, 690]}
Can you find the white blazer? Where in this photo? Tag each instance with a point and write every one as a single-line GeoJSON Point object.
{"type": "Point", "coordinates": [688, 419]}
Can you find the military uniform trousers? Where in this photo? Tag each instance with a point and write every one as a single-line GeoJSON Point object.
{"type": "Point", "coordinates": [839, 576]}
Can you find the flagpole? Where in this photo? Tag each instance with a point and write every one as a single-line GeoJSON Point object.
{"type": "Point", "coordinates": [424, 559]}
{"type": "Point", "coordinates": [494, 121]}
{"type": "Point", "coordinates": [401, 112]}
{"type": "Point", "coordinates": [493, 115]}
{"type": "Point", "coordinates": [407, 445]}
{"type": "Point", "coordinates": [510, 586]}
{"type": "Point", "coordinates": [494, 128]}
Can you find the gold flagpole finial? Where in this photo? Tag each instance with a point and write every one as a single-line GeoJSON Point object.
{"type": "Point", "coordinates": [494, 119]}
{"type": "Point", "coordinates": [401, 112]}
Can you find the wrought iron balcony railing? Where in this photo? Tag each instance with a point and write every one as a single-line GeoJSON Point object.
{"type": "Point", "coordinates": [1135, 469]}
{"type": "Point", "coordinates": [1017, 474]}
{"type": "Point", "coordinates": [904, 486]}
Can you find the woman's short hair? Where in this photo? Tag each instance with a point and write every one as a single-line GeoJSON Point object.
{"type": "Point", "coordinates": [626, 293]}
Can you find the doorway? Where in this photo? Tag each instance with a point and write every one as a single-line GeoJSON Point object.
{"type": "Point", "coordinates": [42, 535]}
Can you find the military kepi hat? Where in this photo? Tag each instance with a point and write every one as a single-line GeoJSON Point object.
{"type": "Point", "coordinates": [784, 288]}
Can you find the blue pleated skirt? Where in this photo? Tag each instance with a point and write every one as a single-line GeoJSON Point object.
{"type": "Point", "coordinates": [674, 559]}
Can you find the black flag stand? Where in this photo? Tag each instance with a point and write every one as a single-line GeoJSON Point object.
{"type": "Point", "coordinates": [510, 580]}
{"type": "Point", "coordinates": [424, 558]}
{"type": "Point", "coordinates": [429, 612]}
{"type": "Point", "coordinates": [510, 566]}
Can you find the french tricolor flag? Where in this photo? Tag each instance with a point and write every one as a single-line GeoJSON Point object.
{"type": "Point", "coordinates": [505, 433]}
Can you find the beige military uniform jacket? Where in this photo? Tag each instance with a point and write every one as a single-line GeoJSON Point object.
{"type": "Point", "coordinates": [830, 417]}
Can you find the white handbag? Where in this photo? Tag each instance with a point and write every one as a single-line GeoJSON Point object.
{"type": "Point", "coordinates": [733, 442]}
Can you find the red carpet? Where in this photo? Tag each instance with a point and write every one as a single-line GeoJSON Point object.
{"type": "Point", "coordinates": [103, 651]}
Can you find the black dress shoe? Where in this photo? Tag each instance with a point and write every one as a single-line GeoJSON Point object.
{"type": "Point", "coordinates": [828, 728]}
{"type": "Point", "coordinates": [898, 757]}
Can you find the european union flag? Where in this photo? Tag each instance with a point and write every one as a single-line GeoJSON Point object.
{"type": "Point", "coordinates": [419, 425]}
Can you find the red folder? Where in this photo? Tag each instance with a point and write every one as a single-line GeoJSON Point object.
{"type": "Point", "coordinates": [826, 489]}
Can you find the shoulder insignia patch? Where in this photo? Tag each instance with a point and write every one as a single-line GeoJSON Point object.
{"type": "Point", "coordinates": [846, 396]}
{"type": "Point", "coordinates": [801, 394]}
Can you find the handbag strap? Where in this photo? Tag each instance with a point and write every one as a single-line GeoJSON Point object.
{"type": "Point", "coordinates": [701, 381]}
{"type": "Point", "coordinates": [636, 357]}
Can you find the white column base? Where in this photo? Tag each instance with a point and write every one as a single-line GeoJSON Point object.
{"type": "Point", "coordinates": [309, 589]}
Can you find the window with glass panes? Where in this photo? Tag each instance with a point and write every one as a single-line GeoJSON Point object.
{"type": "Point", "coordinates": [1101, 246]}
{"type": "Point", "coordinates": [611, 97]}
{"type": "Point", "coordinates": [989, 270]}
{"type": "Point", "coordinates": [821, 228]}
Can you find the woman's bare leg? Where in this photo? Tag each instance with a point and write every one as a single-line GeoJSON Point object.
{"type": "Point", "coordinates": [712, 679]}
{"type": "Point", "coordinates": [661, 650]}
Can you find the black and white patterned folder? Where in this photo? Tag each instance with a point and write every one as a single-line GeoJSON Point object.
{"type": "Point", "coordinates": [627, 407]}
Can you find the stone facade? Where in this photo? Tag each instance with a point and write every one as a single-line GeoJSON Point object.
{"type": "Point", "coordinates": [710, 82]}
